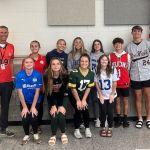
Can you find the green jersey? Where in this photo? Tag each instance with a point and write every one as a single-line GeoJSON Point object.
{"type": "Point", "coordinates": [80, 82]}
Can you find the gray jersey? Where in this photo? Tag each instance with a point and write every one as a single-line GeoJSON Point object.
{"type": "Point", "coordinates": [94, 60]}
{"type": "Point", "coordinates": [73, 63]}
{"type": "Point", "coordinates": [140, 60]}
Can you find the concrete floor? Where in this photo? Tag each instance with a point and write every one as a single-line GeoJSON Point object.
{"type": "Point", "coordinates": [123, 139]}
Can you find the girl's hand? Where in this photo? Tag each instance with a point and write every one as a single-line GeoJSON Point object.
{"type": "Point", "coordinates": [111, 98]}
{"type": "Point", "coordinates": [24, 112]}
{"type": "Point", "coordinates": [79, 105]}
{"type": "Point", "coordinates": [84, 104]}
{"type": "Point", "coordinates": [62, 110]}
{"type": "Point", "coordinates": [34, 111]}
{"type": "Point", "coordinates": [101, 98]}
{"type": "Point", "coordinates": [53, 111]}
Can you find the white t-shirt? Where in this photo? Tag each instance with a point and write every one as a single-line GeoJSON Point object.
{"type": "Point", "coordinates": [106, 83]}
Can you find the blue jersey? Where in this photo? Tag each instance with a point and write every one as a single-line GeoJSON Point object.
{"type": "Point", "coordinates": [29, 84]}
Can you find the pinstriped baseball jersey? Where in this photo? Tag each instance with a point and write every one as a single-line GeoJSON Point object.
{"type": "Point", "coordinates": [140, 60]}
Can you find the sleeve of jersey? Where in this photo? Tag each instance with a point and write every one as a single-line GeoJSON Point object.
{"type": "Point", "coordinates": [45, 63]}
{"type": "Point", "coordinates": [95, 78]}
{"type": "Point", "coordinates": [91, 84]}
{"type": "Point", "coordinates": [72, 80]}
{"type": "Point", "coordinates": [18, 83]}
{"type": "Point", "coordinates": [148, 46]}
{"type": "Point", "coordinates": [127, 49]}
{"type": "Point", "coordinates": [12, 57]}
{"type": "Point", "coordinates": [69, 63]}
{"type": "Point", "coordinates": [39, 81]}
{"type": "Point", "coordinates": [115, 76]}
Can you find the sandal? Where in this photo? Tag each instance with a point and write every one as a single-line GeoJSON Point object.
{"type": "Point", "coordinates": [109, 133]}
{"type": "Point", "coordinates": [64, 139]}
{"type": "Point", "coordinates": [139, 124]}
{"type": "Point", "coordinates": [103, 132]}
{"type": "Point", "coordinates": [148, 124]}
{"type": "Point", "coordinates": [52, 141]}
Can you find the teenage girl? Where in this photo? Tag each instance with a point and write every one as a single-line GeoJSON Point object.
{"type": "Point", "coordinates": [28, 84]}
{"type": "Point", "coordinates": [77, 50]}
{"type": "Point", "coordinates": [39, 65]}
{"type": "Point", "coordinates": [96, 52]}
{"type": "Point", "coordinates": [80, 81]}
{"type": "Point", "coordinates": [58, 52]}
{"type": "Point", "coordinates": [73, 60]}
{"type": "Point", "coordinates": [106, 81]}
{"type": "Point", "coordinates": [55, 85]}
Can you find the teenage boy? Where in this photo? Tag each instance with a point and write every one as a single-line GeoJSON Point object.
{"type": "Point", "coordinates": [139, 50]}
{"type": "Point", "coordinates": [121, 61]}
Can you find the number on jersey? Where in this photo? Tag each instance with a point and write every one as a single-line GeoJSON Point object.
{"type": "Point", "coordinates": [146, 62]}
{"type": "Point", "coordinates": [105, 84]}
{"type": "Point", "coordinates": [83, 85]}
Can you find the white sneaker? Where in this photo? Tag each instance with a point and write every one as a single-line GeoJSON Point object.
{"type": "Point", "coordinates": [77, 134]}
{"type": "Point", "coordinates": [25, 139]}
{"type": "Point", "coordinates": [37, 138]}
{"type": "Point", "coordinates": [88, 133]}
{"type": "Point", "coordinates": [97, 123]}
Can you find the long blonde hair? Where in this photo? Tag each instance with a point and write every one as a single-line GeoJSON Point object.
{"type": "Point", "coordinates": [49, 75]}
{"type": "Point", "coordinates": [74, 51]}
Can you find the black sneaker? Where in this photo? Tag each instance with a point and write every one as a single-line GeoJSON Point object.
{"type": "Point", "coordinates": [118, 122]}
{"type": "Point", "coordinates": [6, 132]}
{"type": "Point", "coordinates": [126, 124]}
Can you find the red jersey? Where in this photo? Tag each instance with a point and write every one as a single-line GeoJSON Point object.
{"type": "Point", "coordinates": [6, 64]}
{"type": "Point", "coordinates": [40, 64]}
{"type": "Point", "coordinates": [121, 64]}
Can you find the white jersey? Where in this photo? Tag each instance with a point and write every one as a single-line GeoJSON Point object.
{"type": "Point", "coordinates": [140, 60]}
{"type": "Point", "coordinates": [106, 83]}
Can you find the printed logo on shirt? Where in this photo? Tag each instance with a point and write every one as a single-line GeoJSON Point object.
{"type": "Point", "coordinates": [5, 62]}
{"type": "Point", "coordinates": [29, 86]}
{"type": "Point", "coordinates": [139, 55]}
{"type": "Point", "coordinates": [34, 80]}
{"type": "Point", "coordinates": [120, 64]}
{"type": "Point", "coordinates": [23, 79]}
{"type": "Point", "coordinates": [41, 62]}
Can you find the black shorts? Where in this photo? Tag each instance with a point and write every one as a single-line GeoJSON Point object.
{"type": "Point", "coordinates": [124, 92]}
{"type": "Point", "coordinates": [140, 84]}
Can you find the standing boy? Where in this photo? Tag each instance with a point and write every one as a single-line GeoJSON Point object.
{"type": "Point", "coordinates": [121, 61]}
{"type": "Point", "coordinates": [139, 51]}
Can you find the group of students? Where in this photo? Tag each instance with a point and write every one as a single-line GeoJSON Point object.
{"type": "Point", "coordinates": [81, 77]}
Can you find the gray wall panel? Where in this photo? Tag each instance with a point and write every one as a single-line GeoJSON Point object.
{"type": "Point", "coordinates": [71, 12]}
{"type": "Point", "coordinates": [126, 12]}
